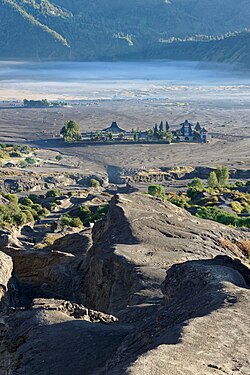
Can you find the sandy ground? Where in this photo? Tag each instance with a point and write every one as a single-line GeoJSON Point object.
{"type": "Point", "coordinates": [224, 111]}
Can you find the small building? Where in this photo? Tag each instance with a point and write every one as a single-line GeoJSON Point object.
{"type": "Point", "coordinates": [204, 135]}
{"type": "Point", "coordinates": [113, 128]}
{"type": "Point", "coordinates": [197, 127]}
{"type": "Point", "coordinates": [186, 129]}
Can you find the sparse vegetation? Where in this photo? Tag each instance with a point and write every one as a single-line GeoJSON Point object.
{"type": "Point", "coordinates": [94, 183]}
{"type": "Point", "coordinates": [13, 213]}
{"type": "Point", "coordinates": [157, 191]}
{"type": "Point", "coordinates": [53, 193]}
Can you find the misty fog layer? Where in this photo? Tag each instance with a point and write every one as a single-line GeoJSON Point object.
{"type": "Point", "coordinates": [110, 80]}
{"type": "Point", "coordinates": [174, 71]}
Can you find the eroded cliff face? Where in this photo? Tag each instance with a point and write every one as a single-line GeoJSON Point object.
{"type": "Point", "coordinates": [157, 292]}
{"type": "Point", "coordinates": [139, 239]}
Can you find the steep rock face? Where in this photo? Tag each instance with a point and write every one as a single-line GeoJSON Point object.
{"type": "Point", "coordinates": [52, 272]}
{"type": "Point", "coordinates": [186, 322]}
{"type": "Point", "coordinates": [6, 268]}
{"type": "Point", "coordinates": [202, 328]}
{"type": "Point", "coordinates": [141, 237]}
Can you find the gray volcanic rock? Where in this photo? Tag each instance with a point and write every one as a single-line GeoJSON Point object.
{"type": "Point", "coordinates": [51, 272]}
{"type": "Point", "coordinates": [141, 237]}
{"type": "Point", "coordinates": [74, 310]}
{"type": "Point", "coordinates": [8, 239]}
{"type": "Point", "coordinates": [74, 243]}
{"type": "Point", "coordinates": [202, 329]}
{"type": "Point", "coordinates": [194, 320]}
{"type": "Point", "coordinates": [6, 268]}
{"type": "Point", "coordinates": [48, 340]}
{"type": "Point", "coordinates": [45, 273]}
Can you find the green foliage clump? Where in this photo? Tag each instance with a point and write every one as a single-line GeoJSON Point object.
{"type": "Point", "coordinates": [10, 197]}
{"type": "Point", "coordinates": [30, 160]}
{"type": "Point", "coordinates": [26, 202]}
{"type": "Point", "coordinates": [34, 198]}
{"type": "Point", "coordinates": [237, 207]}
{"type": "Point", "coordinates": [216, 214]}
{"type": "Point", "coordinates": [195, 187]}
{"type": "Point", "coordinates": [53, 193]}
{"type": "Point", "coordinates": [157, 191]}
{"type": "Point", "coordinates": [17, 214]}
{"type": "Point", "coordinates": [74, 222]}
{"type": "Point", "coordinates": [71, 131]}
{"type": "Point", "coordinates": [181, 200]}
{"type": "Point", "coordinates": [94, 183]}
{"type": "Point", "coordinates": [84, 216]}
{"type": "Point", "coordinates": [213, 180]}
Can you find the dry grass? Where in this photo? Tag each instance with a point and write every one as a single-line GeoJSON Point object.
{"type": "Point", "coordinates": [244, 246]}
{"type": "Point", "coordinates": [48, 240]}
{"type": "Point", "coordinates": [239, 248]}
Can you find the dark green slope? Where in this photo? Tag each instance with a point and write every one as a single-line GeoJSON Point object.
{"type": "Point", "coordinates": [23, 36]}
{"type": "Point", "coordinates": [233, 49]}
{"type": "Point", "coordinates": [118, 29]}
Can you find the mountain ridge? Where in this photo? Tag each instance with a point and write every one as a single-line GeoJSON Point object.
{"type": "Point", "coordinates": [114, 30]}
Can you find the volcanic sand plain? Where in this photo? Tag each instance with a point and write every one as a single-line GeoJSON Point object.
{"type": "Point", "coordinates": [224, 111]}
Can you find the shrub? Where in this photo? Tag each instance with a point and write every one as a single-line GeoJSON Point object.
{"type": "Point", "coordinates": [94, 183]}
{"type": "Point", "coordinates": [197, 184]}
{"type": "Point", "coordinates": [239, 183]}
{"type": "Point", "coordinates": [179, 200]}
{"type": "Point", "coordinates": [74, 222]}
{"type": "Point", "coordinates": [58, 157]}
{"type": "Point", "coordinates": [53, 193]}
{"type": "Point", "coordinates": [244, 246]}
{"type": "Point", "coordinates": [34, 198]}
{"type": "Point", "coordinates": [237, 207]}
{"type": "Point", "coordinates": [157, 191]}
{"type": "Point", "coordinates": [216, 214]}
{"type": "Point", "coordinates": [213, 180]}
{"type": "Point", "coordinates": [10, 197]}
{"type": "Point", "coordinates": [30, 160]}
{"type": "Point", "coordinates": [26, 202]}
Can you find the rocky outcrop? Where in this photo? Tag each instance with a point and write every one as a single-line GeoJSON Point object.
{"type": "Point", "coordinates": [168, 280]}
{"type": "Point", "coordinates": [141, 237]}
{"type": "Point", "coordinates": [74, 310]}
{"type": "Point", "coordinates": [6, 268]}
{"type": "Point", "coordinates": [73, 243]}
{"type": "Point", "coordinates": [8, 239]}
{"type": "Point", "coordinates": [58, 337]}
{"type": "Point", "coordinates": [201, 329]}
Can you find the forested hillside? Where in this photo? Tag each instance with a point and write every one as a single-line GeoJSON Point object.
{"type": "Point", "coordinates": [118, 29]}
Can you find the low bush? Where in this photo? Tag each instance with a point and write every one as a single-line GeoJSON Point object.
{"type": "Point", "coordinates": [157, 191]}
{"type": "Point", "coordinates": [53, 193]}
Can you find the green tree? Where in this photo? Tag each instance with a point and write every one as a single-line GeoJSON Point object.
{"type": "Point", "coordinates": [157, 191]}
{"type": "Point", "coordinates": [71, 131]}
{"type": "Point", "coordinates": [222, 174]}
{"type": "Point", "coordinates": [225, 176]}
{"type": "Point", "coordinates": [197, 184]}
{"type": "Point", "coordinates": [213, 180]}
